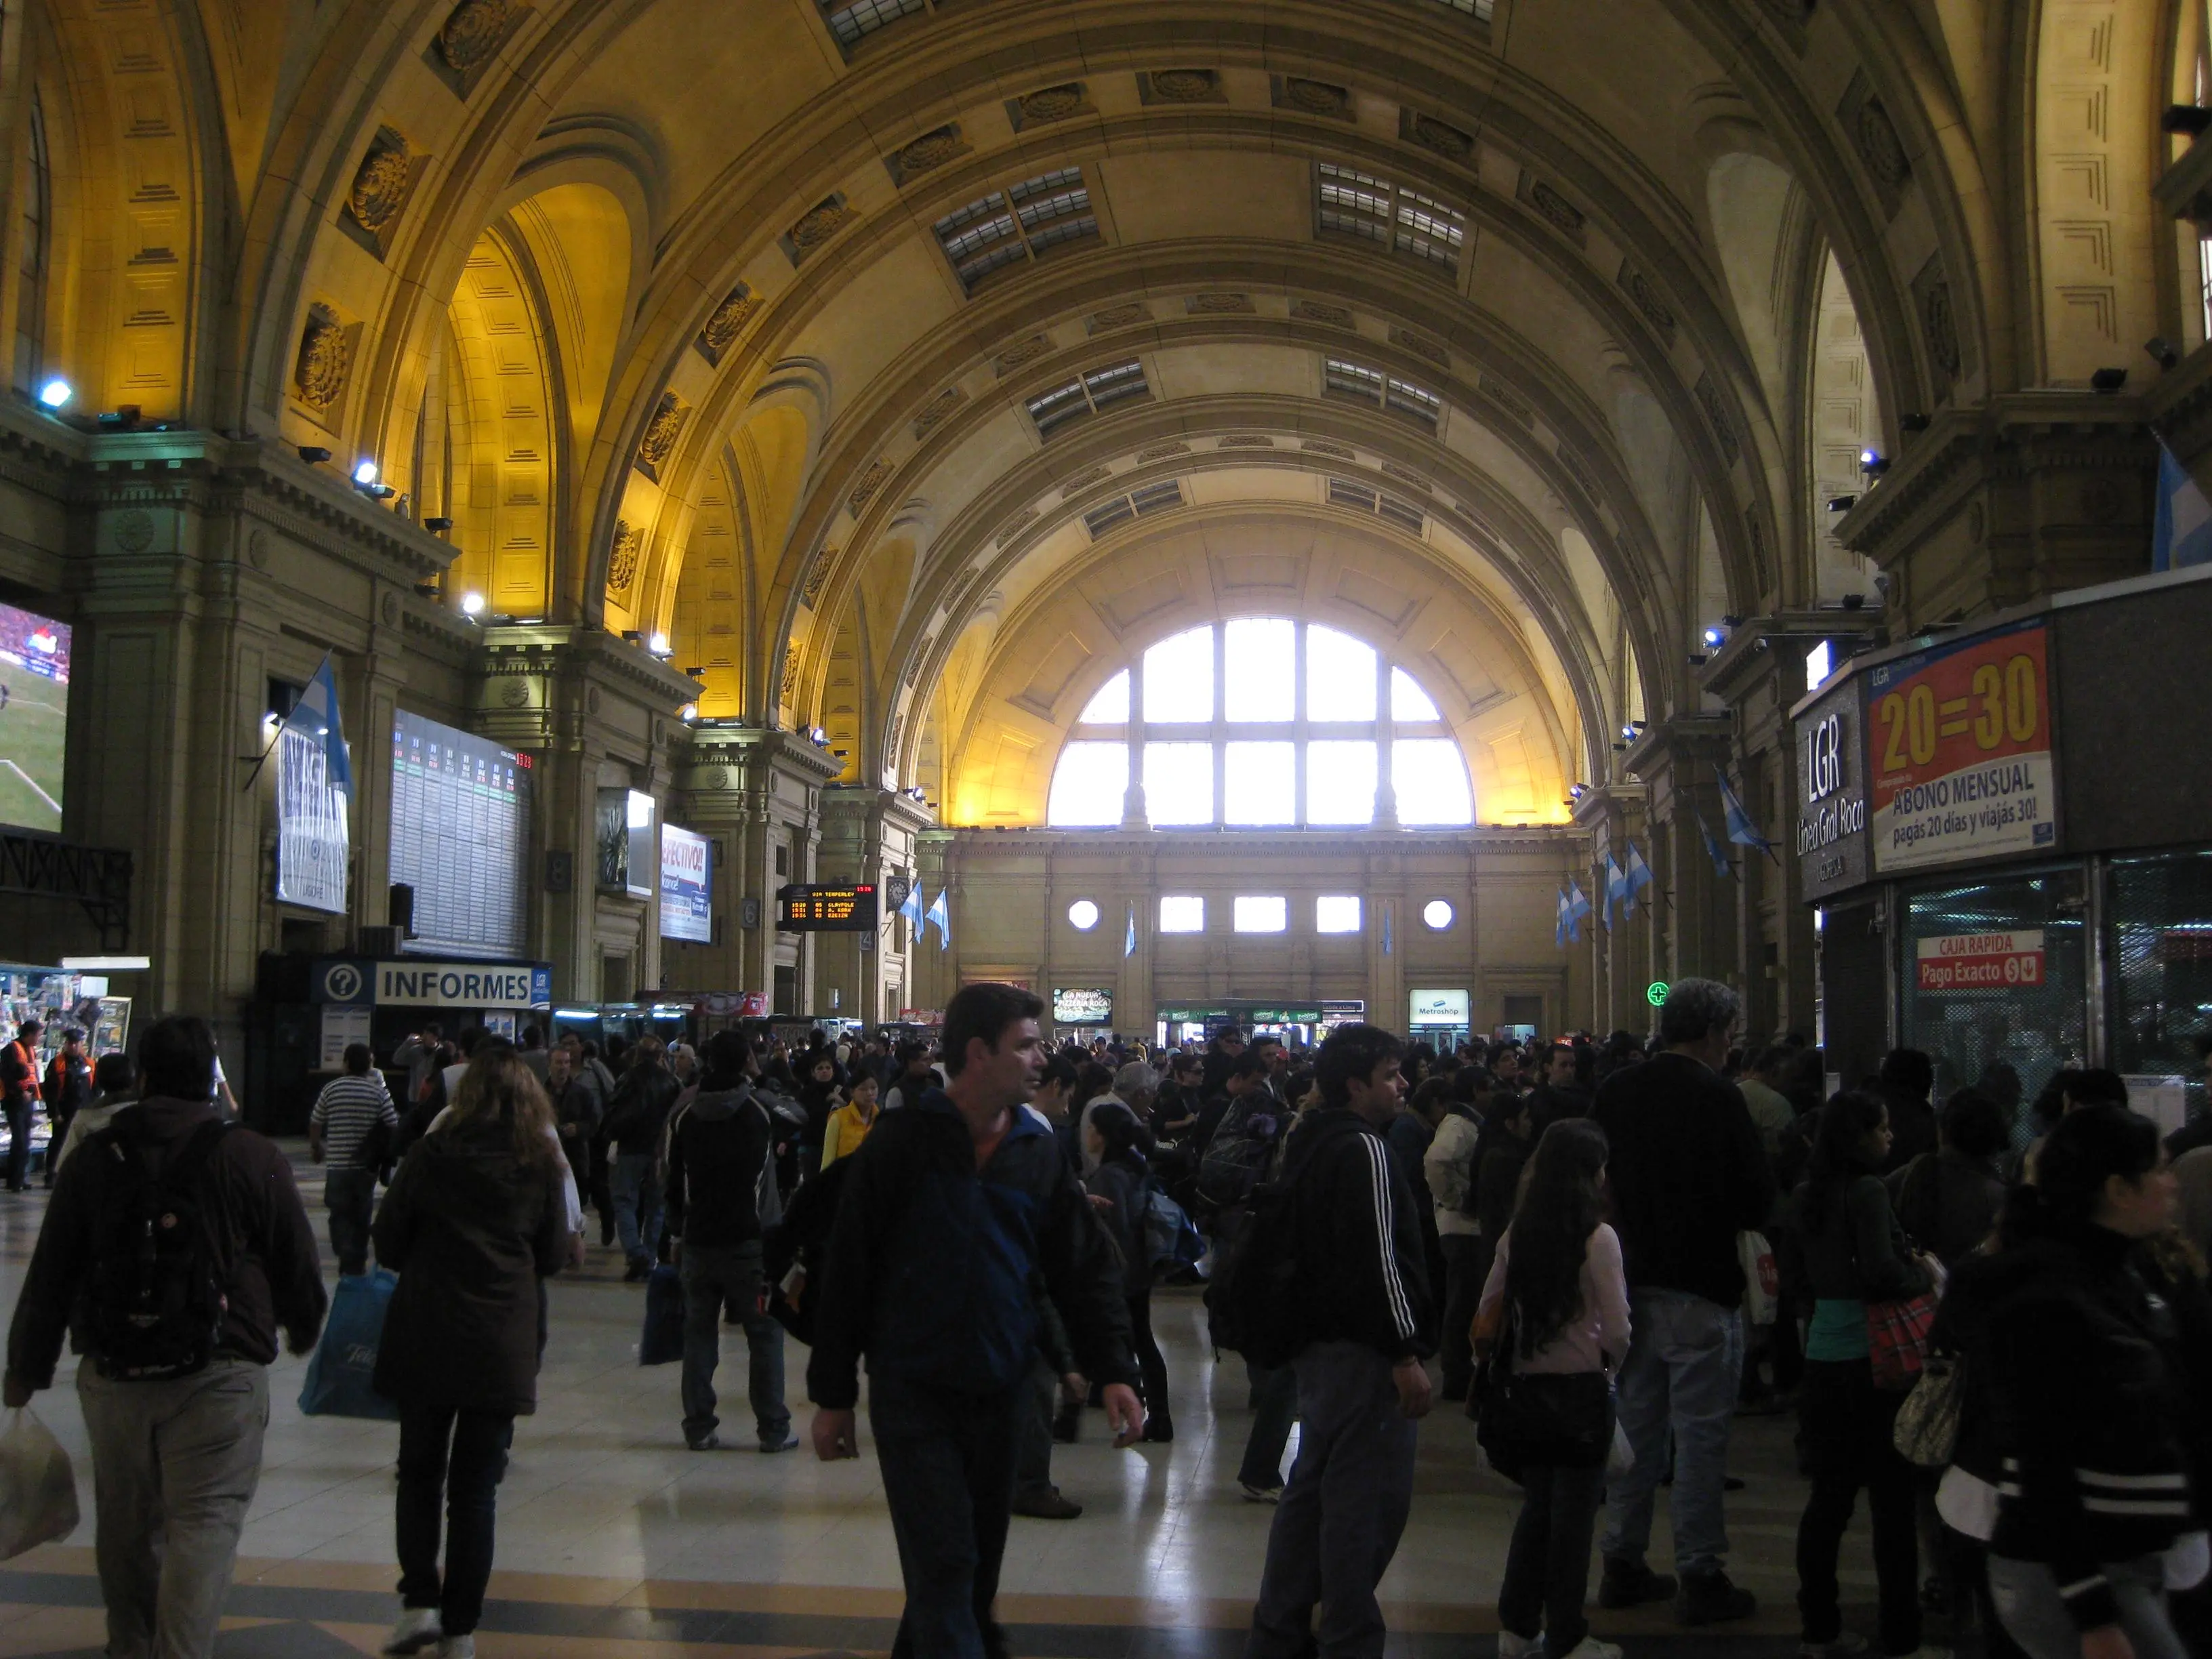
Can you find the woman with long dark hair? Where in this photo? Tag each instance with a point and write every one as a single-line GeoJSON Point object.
{"type": "Point", "coordinates": [1557, 1295]}
{"type": "Point", "coordinates": [1854, 1252]}
{"type": "Point", "coordinates": [1112, 1137]}
{"type": "Point", "coordinates": [475, 1217]}
{"type": "Point", "coordinates": [2090, 1402]}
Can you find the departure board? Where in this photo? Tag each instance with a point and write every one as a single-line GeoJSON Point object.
{"type": "Point", "coordinates": [813, 909]}
{"type": "Point", "coordinates": [460, 832]}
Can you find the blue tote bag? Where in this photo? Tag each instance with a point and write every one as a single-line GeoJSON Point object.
{"type": "Point", "coordinates": [338, 1376]}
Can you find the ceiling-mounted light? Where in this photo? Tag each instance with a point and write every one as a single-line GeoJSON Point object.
{"type": "Point", "coordinates": [472, 604]}
{"type": "Point", "coordinates": [55, 392]}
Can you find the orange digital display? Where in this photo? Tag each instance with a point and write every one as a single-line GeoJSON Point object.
{"type": "Point", "coordinates": [820, 909]}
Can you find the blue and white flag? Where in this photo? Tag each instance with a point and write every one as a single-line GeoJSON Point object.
{"type": "Point", "coordinates": [1616, 887]}
{"type": "Point", "coordinates": [316, 716]}
{"type": "Point", "coordinates": [1714, 851]}
{"type": "Point", "coordinates": [1636, 878]}
{"type": "Point", "coordinates": [1740, 829]}
{"type": "Point", "coordinates": [1129, 938]}
{"type": "Point", "coordinates": [2182, 533]}
{"type": "Point", "coordinates": [941, 914]}
{"type": "Point", "coordinates": [1578, 906]}
{"type": "Point", "coordinates": [1559, 922]}
{"type": "Point", "coordinates": [910, 908]}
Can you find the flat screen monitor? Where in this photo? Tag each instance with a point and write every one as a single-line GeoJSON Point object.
{"type": "Point", "coordinates": [460, 832]}
{"type": "Point", "coordinates": [35, 675]}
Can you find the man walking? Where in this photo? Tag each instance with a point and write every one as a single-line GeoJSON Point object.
{"type": "Point", "coordinates": [1689, 1174]}
{"type": "Point", "coordinates": [174, 1410]}
{"type": "Point", "coordinates": [19, 1097]}
{"type": "Point", "coordinates": [954, 1207]}
{"type": "Point", "coordinates": [1361, 1384]}
{"type": "Point", "coordinates": [636, 1116]}
{"type": "Point", "coordinates": [718, 1163]}
{"type": "Point", "coordinates": [342, 1135]}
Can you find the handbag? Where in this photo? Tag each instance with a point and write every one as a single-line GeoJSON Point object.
{"type": "Point", "coordinates": [341, 1379]}
{"type": "Point", "coordinates": [1762, 1281]}
{"type": "Point", "coordinates": [663, 1338]}
{"type": "Point", "coordinates": [1540, 1417]}
{"type": "Point", "coordinates": [1927, 1429]}
{"type": "Point", "coordinates": [1897, 1340]}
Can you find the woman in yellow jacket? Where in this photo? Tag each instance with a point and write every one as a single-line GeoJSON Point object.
{"type": "Point", "coordinates": [849, 1124]}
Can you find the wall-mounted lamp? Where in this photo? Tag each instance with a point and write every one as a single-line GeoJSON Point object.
{"type": "Point", "coordinates": [2162, 351]}
{"type": "Point", "coordinates": [2108, 380]}
{"type": "Point", "coordinates": [54, 393]}
{"type": "Point", "coordinates": [472, 604]}
{"type": "Point", "coordinates": [437, 527]}
{"type": "Point", "coordinates": [1872, 463]}
{"type": "Point", "coordinates": [314, 454]}
{"type": "Point", "coordinates": [1842, 503]}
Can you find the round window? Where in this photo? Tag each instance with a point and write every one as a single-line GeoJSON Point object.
{"type": "Point", "coordinates": [1437, 913]}
{"type": "Point", "coordinates": [1082, 915]}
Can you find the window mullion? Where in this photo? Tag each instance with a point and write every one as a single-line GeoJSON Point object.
{"type": "Point", "coordinates": [1298, 774]}
{"type": "Point", "coordinates": [1218, 731]}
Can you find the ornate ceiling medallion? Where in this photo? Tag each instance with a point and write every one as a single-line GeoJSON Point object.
{"type": "Point", "coordinates": [381, 182]}
{"type": "Point", "coordinates": [737, 308]}
{"type": "Point", "coordinates": [624, 556]}
{"type": "Point", "coordinates": [473, 30]}
{"type": "Point", "coordinates": [319, 374]}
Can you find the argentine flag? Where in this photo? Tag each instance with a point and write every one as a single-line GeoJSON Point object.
{"type": "Point", "coordinates": [316, 716]}
{"type": "Point", "coordinates": [940, 912]}
{"type": "Point", "coordinates": [911, 909]}
{"type": "Point", "coordinates": [1635, 877]}
{"type": "Point", "coordinates": [2182, 534]}
{"type": "Point", "coordinates": [1578, 906]}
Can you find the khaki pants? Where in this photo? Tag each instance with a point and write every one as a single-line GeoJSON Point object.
{"type": "Point", "coordinates": [175, 1466]}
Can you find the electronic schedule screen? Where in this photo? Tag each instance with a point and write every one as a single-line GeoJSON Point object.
{"type": "Point", "coordinates": [818, 909]}
{"type": "Point", "coordinates": [460, 833]}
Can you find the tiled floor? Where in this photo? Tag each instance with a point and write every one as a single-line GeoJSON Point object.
{"type": "Point", "coordinates": [615, 1540]}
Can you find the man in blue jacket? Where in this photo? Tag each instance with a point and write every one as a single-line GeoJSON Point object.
{"type": "Point", "coordinates": [949, 1209]}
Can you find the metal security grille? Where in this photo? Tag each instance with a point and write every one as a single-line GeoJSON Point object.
{"type": "Point", "coordinates": [2158, 944]}
{"type": "Point", "coordinates": [2034, 1027]}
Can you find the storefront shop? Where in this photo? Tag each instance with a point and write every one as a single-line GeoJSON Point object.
{"type": "Point", "coordinates": [2007, 835]}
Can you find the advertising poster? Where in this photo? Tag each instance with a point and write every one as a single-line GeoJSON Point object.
{"type": "Point", "coordinates": [687, 885]}
{"type": "Point", "coordinates": [1082, 1005]}
{"type": "Point", "coordinates": [1438, 1008]}
{"type": "Point", "coordinates": [311, 825]}
{"type": "Point", "coordinates": [1959, 750]}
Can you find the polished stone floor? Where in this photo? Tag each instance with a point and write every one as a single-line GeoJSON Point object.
{"type": "Point", "coordinates": [615, 1540]}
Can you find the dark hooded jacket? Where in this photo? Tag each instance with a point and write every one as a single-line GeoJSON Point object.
{"type": "Point", "coordinates": [931, 1268]}
{"type": "Point", "coordinates": [718, 1146]}
{"type": "Point", "coordinates": [1362, 1265]}
{"type": "Point", "coordinates": [470, 1230]}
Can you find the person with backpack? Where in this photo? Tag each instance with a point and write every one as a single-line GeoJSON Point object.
{"type": "Point", "coordinates": [1355, 1302]}
{"type": "Point", "coordinates": [67, 1088]}
{"type": "Point", "coordinates": [1114, 1138]}
{"type": "Point", "coordinates": [635, 1117]}
{"type": "Point", "coordinates": [1558, 1303]}
{"type": "Point", "coordinates": [175, 1404]}
{"type": "Point", "coordinates": [477, 1215]}
{"type": "Point", "coordinates": [351, 1126]}
{"type": "Point", "coordinates": [19, 1099]}
{"type": "Point", "coordinates": [718, 1147]}
{"type": "Point", "coordinates": [1448, 1169]}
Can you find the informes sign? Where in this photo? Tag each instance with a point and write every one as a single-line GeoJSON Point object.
{"type": "Point", "coordinates": [34, 679]}
{"type": "Point", "coordinates": [311, 840]}
{"type": "Point", "coordinates": [1959, 745]}
{"type": "Point", "coordinates": [460, 832]}
{"type": "Point", "coordinates": [1082, 1005]}
{"type": "Point", "coordinates": [687, 885]}
{"type": "Point", "coordinates": [804, 909]}
{"type": "Point", "coordinates": [1832, 794]}
{"type": "Point", "coordinates": [408, 983]}
{"type": "Point", "coordinates": [1438, 1008]}
{"type": "Point", "coordinates": [1951, 962]}
{"type": "Point", "coordinates": [623, 826]}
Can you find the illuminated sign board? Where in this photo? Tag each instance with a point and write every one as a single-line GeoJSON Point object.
{"type": "Point", "coordinates": [818, 909]}
{"type": "Point", "coordinates": [1082, 1005]}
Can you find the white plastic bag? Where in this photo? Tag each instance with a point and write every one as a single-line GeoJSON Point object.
{"type": "Point", "coordinates": [38, 1488]}
{"type": "Point", "coordinates": [1622, 1457]}
{"type": "Point", "coordinates": [1762, 1282]}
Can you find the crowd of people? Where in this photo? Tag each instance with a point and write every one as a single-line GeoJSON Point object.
{"type": "Point", "coordinates": [1609, 1252]}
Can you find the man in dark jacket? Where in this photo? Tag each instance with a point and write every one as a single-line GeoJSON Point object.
{"type": "Point", "coordinates": [1688, 1173]}
{"type": "Point", "coordinates": [953, 1207]}
{"type": "Point", "coordinates": [1361, 1383]}
{"type": "Point", "coordinates": [718, 1163]}
{"type": "Point", "coordinates": [175, 1462]}
{"type": "Point", "coordinates": [635, 1117]}
{"type": "Point", "coordinates": [1908, 1079]}
{"type": "Point", "coordinates": [1559, 1096]}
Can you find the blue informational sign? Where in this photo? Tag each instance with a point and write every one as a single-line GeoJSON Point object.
{"type": "Point", "coordinates": [408, 982]}
{"type": "Point", "coordinates": [687, 886]}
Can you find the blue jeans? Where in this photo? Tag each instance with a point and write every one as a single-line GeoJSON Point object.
{"type": "Point", "coordinates": [637, 1208]}
{"type": "Point", "coordinates": [712, 1277]}
{"type": "Point", "coordinates": [350, 1196]}
{"type": "Point", "coordinates": [2034, 1614]}
{"type": "Point", "coordinates": [1685, 1361]}
{"type": "Point", "coordinates": [1548, 1565]}
{"type": "Point", "coordinates": [948, 1467]}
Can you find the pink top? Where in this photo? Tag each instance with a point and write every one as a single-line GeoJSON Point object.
{"type": "Point", "coordinates": [1599, 1328]}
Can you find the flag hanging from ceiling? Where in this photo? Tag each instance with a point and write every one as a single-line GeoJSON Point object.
{"type": "Point", "coordinates": [1616, 887]}
{"type": "Point", "coordinates": [1740, 829]}
{"type": "Point", "coordinates": [1635, 877]}
{"type": "Point", "coordinates": [1714, 851]}
{"type": "Point", "coordinates": [941, 914]}
{"type": "Point", "coordinates": [1578, 906]}
{"type": "Point", "coordinates": [1129, 938]}
{"type": "Point", "coordinates": [2182, 535]}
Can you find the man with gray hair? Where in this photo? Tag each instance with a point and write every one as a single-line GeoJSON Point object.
{"type": "Point", "coordinates": [1688, 1173]}
{"type": "Point", "coordinates": [1135, 1086]}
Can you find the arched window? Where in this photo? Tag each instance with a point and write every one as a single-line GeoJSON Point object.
{"type": "Point", "coordinates": [1261, 722]}
{"type": "Point", "coordinates": [33, 192]}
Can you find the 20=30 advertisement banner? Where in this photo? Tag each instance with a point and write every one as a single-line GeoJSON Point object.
{"type": "Point", "coordinates": [1959, 748]}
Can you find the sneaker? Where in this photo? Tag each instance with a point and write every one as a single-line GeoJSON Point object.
{"type": "Point", "coordinates": [1849, 1645]}
{"type": "Point", "coordinates": [1258, 1494]}
{"type": "Point", "coordinates": [1708, 1598]}
{"type": "Point", "coordinates": [1510, 1646]}
{"type": "Point", "coordinates": [1159, 1430]}
{"type": "Point", "coordinates": [774, 1444]}
{"type": "Point", "coordinates": [709, 1443]}
{"type": "Point", "coordinates": [418, 1628]}
{"type": "Point", "coordinates": [458, 1647]}
{"type": "Point", "coordinates": [1048, 1506]}
{"type": "Point", "coordinates": [1590, 1647]}
{"type": "Point", "coordinates": [1630, 1584]}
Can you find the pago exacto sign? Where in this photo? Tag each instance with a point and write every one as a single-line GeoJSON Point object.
{"type": "Point", "coordinates": [1981, 961]}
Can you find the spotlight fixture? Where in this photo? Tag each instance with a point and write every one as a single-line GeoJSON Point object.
{"type": "Point", "coordinates": [1578, 790]}
{"type": "Point", "coordinates": [314, 454]}
{"type": "Point", "coordinates": [1914, 423]}
{"type": "Point", "coordinates": [688, 713]}
{"type": "Point", "coordinates": [1854, 601]}
{"type": "Point", "coordinates": [1872, 463]}
{"type": "Point", "coordinates": [1715, 636]}
{"type": "Point", "coordinates": [2186, 120]}
{"type": "Point", "coordinates": [660, 646]}
{"type": "Point", "coordinates": [427, 590]}
{"type": "Point", "coordinates": [438, 526]}
{"type": "Point", "coordinates": [472, 604]}
{"type": "Point", "coordinates": [696, 671]}
{"type": "Point", "coordinates": [2161, 351]}
{"type": "Point", "coordinates": [2108, 380]}
{"type": "Point", "coordinates": [123, 418]}
{"type": "Point", "coordinates": [365, 473]}
{"type": "Point", "coordinates": [818, 737]}
{"type": "Point", "coordinates": [1842, 503]}
{"type": "Point", "coordinates": [55, 392]}
{"type": "Point", "coordinates": [378, 492]}
{"type": "Point", "coordinates": [1731, 622]}
{"type": "Point", "coordinates": [1697, 659]}
{"type": "Point", "coordinates": [633, 635]}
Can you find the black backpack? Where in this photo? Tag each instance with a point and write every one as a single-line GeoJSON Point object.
{"type": "Point", "coordinates": [1236, 1158]}
{"type": "Point", "coordinates": [155, 1302]}
{"type": "Point", "coordinates": [1252, 1298]}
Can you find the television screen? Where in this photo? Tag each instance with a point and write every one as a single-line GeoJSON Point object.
{"type": "Point", "coordinates": [34, 673]}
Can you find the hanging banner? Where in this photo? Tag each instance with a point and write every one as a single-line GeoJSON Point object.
{"type": "Point", "coordinates": [1959, 748]}
{"type": "Point", "coordinates": [312, 843]}
{"type": "Point", "coordinates": [687, 885]}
